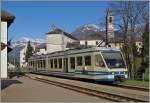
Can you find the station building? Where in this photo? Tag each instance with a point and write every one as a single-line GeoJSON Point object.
{"type": "Point", "coordinates": [57, 40]}
{"type": "Point", "coordinates": [6, 20]}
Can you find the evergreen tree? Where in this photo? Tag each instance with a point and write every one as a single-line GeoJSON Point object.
{"type": "Point", "coordinates": [29, 51]}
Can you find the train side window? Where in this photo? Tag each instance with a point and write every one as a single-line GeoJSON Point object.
{"type": "Point", "coordinates": [79, 61]}
{"type": "Point", "coordinates": [86, 43]}
{"type": "Point", "coordinates": [87, 60]}
{"type": "Point", "coordinates": [33, 64]}
{"type": "Point", "coordinates": [99, 61]}
{"type": "Point", "coordinates": [55, 63]}
{"type": "Point", "coordinates": [60, 63]}
{"type": "Point", "coordinates": [51, 63]}
{"type": "Point", "coordinates": [44, 63]}
{"type": "Point", "coordinates": [39, 64]}
{"type": "Point", "coordinates": [72, 62]}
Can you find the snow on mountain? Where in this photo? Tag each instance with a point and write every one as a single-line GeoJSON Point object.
{"type": "Point", "coordinates": [24, 40]}
{"type": "Point", "coordinates": [86, 30]}
{"type": "Point", "coordinates": [90, 27]}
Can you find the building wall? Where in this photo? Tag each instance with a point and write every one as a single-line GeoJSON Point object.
{"type": "Point", "coordinates": [139, 44]}
{"type": "Point", "coordinates": [90, 42]}
{"type": "Point", "coordinates": [41, 51]}
{"type": "Point", "coordinates": [113, 45]}
{"type": "Point", "coordinates": [3, 38]}
{"type": "Point", "coordinates": [56, 42]}
{"type": "Point", "coordinates": [22, 57]}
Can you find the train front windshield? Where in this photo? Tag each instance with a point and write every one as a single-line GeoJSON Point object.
{"type": "Point", "coordinates": [114, 59]}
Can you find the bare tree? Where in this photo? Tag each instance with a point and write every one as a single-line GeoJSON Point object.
{"type": "Point", "coordinates": [129, 14]}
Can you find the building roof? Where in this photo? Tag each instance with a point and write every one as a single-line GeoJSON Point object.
{"type": "Point", "coordinates": [6, 16]}
{"type": "Point", "coordinates": [95, 36]}
{"type": "Point", "coordinates": [59, 31]}
{"type": "Point", "coordinates": [73, 45]}
{"type": "Point", "coordinates": [41, 46]}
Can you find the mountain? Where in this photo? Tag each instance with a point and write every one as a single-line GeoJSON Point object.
{"type": "Point", "coordinates": [20, 43]}
{"type": "Point", "coordinates": [94, 32]}
{"type": "Point", "coordinates": [89, 30]}
{"type": "Point", "coordinates": [24, 40]}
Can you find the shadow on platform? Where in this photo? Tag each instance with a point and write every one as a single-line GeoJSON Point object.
{"type": "Point", "coordinates": [7, 82]}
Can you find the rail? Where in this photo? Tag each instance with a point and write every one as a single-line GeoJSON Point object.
{"type": "Point", "coordinates": [133, 87]}
{"type": "Point", "coordinates": [115, 85]}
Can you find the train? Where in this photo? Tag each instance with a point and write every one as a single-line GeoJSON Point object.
{"type": "Point", "coordinates": [101, 64]}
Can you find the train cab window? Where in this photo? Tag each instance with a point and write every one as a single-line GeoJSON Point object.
{"type": "Point", "coordinates": [60, 63]}
{"type": "Point", "coordinates": [55, 63]}
{"type": "Point", "coordinates": [72, 62]}
{"type": "Point", "coordinates": [114, 59]}
{"type": "Point", "coordinates": [99, 61]}
{"type": "Point", "coordinates": [87, 60]}
{"type": "Point", "coordinates": [51, 63]}
{"type": "Point", "coordinates": [79, 61]}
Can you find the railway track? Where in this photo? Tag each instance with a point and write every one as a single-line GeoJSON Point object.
{"type": "Point", "coordinates": [100, 94]}
{"type": "Point", "coordinates": [116, 85]}
{"type": "Point", "coordinates": [132, 87]}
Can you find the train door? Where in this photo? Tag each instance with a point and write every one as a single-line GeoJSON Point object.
{"type": "Point", "coordinates": [66, 65]}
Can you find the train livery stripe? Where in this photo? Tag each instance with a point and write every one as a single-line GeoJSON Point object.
{"type": "Point", "coordinates": [86, 72]}
{"type": "Point", "coordinates": [108, 79]}
{"type": "Point", "coordinates": [99, 78]}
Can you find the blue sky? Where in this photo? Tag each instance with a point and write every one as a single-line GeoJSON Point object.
{"type": "Point", "coordinates": [34, 19]}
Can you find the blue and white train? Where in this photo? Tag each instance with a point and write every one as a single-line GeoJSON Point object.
{"type": "Point", "coordinates": [96, 63]}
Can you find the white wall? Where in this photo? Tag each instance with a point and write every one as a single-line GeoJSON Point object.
{"type": "Point", "coordinates": [90, 42]}
{"type": "Point", "coordinates": [22, 57]}
{"type": "Point", "coordinates": [56, 42]}
{"type": "Point", "coordinates": [22, 53]}
{"type": "Point", "coordinates": [41, 51]}
{"type": "Point", "coordinates": [3, 38]}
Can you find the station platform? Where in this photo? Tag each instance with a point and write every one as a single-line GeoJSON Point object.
{"type": "Point", "coordinates": [24, 89]}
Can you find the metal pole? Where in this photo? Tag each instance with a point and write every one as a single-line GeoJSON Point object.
{"type": "Point", "coordinates": [14, 59]}
{"type": "Point", "coordinates": [106, 39]}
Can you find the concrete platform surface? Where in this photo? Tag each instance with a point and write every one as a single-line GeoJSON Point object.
{"type": "Point", "coordinates": [143, 95]}
{"type": "Point", "coordinates": [28, 90]}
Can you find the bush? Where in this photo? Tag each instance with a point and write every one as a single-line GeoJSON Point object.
{"type": "Point", "coordinates": [11, 74]}
{"type": "Point", "coordinates": [146, 74]}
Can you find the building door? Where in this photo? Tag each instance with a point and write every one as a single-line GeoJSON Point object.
{"type": "Point", "coordinates": [66, 65]}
